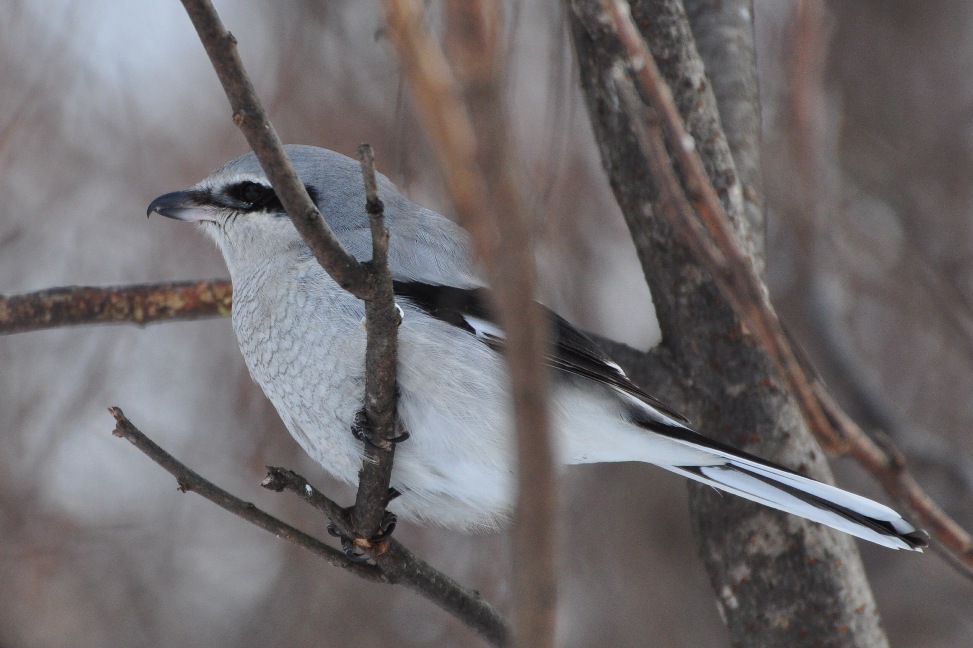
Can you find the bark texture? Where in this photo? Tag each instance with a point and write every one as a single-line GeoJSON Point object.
{"type": "Point", "coordinates": [723, 34]}
{"type": "Point", "coordinates": [779, 581]}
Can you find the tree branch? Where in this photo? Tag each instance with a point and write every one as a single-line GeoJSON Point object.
{"type": "Point", "coordinates": [719, 251]}
{"type": "Point", "coordinates": [755, 555]}
{"type": "Point", "coordinates": [723, 33]}
{"type": "Point", "coordinates": [371, 283]}
{"type": "Point", "coordinates": [190, 481]}
{"type": "Point", "coordinates": [135, 304]}
{"type": "Point", "coordinates": [396, 566]}
{"type": "Point", "coordinates": [250, 116]}
{"type": "Point", "coordinates": [716, 247]}
{"type": "Point", "coordinates": [692, 92]}
{"type": "Point", "coordinates": [473, 148]}
{"type": "Point", "coordinates": [381, 351]}
{"type": "Point", "coordinates": [400, 564]}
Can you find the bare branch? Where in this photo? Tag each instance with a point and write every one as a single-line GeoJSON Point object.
{"type": "Point", "coordinates": [371, 282]}
{"type": "Point", "coordinates": [398, 565]}
{"type": "Point", "coordinates": [445, 120]}
{"type": "Point", "coordinates": [724, 258]}
{"type": "Point", "coordinates": [667, 26]}
{"type": "Point", "coordinates": [135, 304]}
{"type": "Point", "coordinates": [719, 251]}
{"type": "Point", "coordinates": [473, 147]}
{"type": "Point", "coordinates": [401, 565]}
{"type": "Point", "coordinates": [732, 389]}
{"type": "Point", "coordinates": [249, 115]}
{"type": "Point", "coordinates": [381, 324]}
{"type": "Point", "coordinates": [190, 481]}
{"type": "Point", "coordinates": [723, 34]}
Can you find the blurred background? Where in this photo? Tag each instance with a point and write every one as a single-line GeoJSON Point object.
{"type": "Point", "coordinates": [105, 105]}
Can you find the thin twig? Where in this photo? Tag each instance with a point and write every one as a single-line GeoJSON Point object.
{"type": "Point", "coordinates": [718, 250]}
{"type": "Point", "coordinates": [474, 153]}
{"type": "Point", "coordinates": [250, 116]}
{"type": "Point", "coordinates": [134, 304]}
{"type": "Point", "coordinates": [190, 481]}
{"type": "Point", "coordinates": [444, 118]}
{"type": "Point", "coordinates": [887, 465]}
{"type": "Point", "coordinates": [381, 325]}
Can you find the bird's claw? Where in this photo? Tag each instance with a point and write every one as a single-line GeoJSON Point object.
{"type": "Point", "coordinates": [362, 550]}
{"type": "Point", "coordinates": [361, 429]}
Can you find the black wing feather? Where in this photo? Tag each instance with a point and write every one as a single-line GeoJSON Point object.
{"type": "Point", "coordinates": [572, 351]}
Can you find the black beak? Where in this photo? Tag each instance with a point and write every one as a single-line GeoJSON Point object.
{"type": "Point", "coordinates": [180, 205]}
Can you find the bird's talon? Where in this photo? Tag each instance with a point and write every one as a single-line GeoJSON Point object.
{"type": "Point", "coordinates": [333, 531]}
{"type": "Point", "coordinates": [353, 552]}
{"type": "Point", "coordinates": [362, 550]}
{"type": "Point", "coordinates": [361, 429]}
{"type": "Point", "coordinates": [385, 529]}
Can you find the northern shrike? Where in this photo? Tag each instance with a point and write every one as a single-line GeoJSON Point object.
{"type": "Point", "coordinates": [302, 339]}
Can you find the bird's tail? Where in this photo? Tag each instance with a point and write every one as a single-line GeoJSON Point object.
{"type": "Point", "coordinates": [793, 493]}
{"type": "Point", "coordinates": [742, 474]}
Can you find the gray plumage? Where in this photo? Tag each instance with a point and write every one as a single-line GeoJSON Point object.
{"type": "Point", "coordinates": [303, 340]}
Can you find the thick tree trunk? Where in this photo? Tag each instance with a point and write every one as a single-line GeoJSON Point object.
{"type": "Point", "coordinates": [779, 581]}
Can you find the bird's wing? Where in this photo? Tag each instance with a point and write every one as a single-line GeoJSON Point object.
{"type": "Point", "coordinates": [710, 461]}
{"type": "Point", "coordinates": [571, 350]}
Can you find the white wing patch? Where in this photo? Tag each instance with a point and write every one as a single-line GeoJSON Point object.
{"type": "Point", "coordinates": [484, 330]}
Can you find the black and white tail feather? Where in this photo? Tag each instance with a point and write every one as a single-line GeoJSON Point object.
{"type": "Point", "coordinates": [785, 490]}
{"type": "Point", "coordinates": [709, 462]}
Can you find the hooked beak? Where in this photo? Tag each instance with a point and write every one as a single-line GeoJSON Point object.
{"type": "Point", "coordinates": [180, 205]}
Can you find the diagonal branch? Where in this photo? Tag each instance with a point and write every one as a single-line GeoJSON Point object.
{"type": "Point", "coordinates": [250, 116]}
{"type": "Point", "coordinates": [733, 391]}
{"type": "Point", "coordinates": [371, 282]}
{"type": "Point", "coordinates": [396, 566]}
{"type": "Point", "coordinates": [405, 567]}
{"type": "Point", "coordinates": [190, 481]}
{"type": "Point", "coordinates": [716, 247]}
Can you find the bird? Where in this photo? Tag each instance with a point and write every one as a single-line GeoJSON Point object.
{"type": "Point", "coordinates": [303, 341]}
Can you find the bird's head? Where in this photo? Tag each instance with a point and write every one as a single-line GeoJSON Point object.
{"type": "Point", "coordinates": [239, 209]}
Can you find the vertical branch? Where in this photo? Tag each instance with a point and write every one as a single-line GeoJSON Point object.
{"type": "Point", "coordinates": [372, 283]}
{"type": "Point", "coordinates": [381, 351]}
{"type": "Point", "coordinates": [474, 151]}
{"type": "Point", "coordinates": [725, 259]}
{"type": "Point", "coordinates": [475, 46]}
{"type": "Point", "coordinates": [753, 556]}
{"type": "Point", "coordinates": [724, 37]}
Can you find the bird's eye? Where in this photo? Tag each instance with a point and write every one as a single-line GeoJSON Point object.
{"type": "Point", "coordinates": [250, 192]}
{"type": "Point", "coordinates": [253, 195]}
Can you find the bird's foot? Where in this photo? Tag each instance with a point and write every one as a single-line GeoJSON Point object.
{"type": "Point", "coordinates": [361, 429]}
{"type": "Point", "coordinates": [362, 550]}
